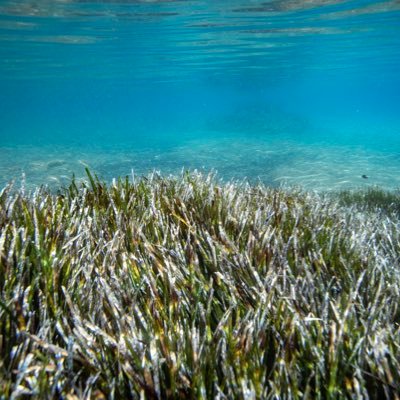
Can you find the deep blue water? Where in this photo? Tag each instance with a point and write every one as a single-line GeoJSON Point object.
{"type": "Point", "coordinates": [297, 92]}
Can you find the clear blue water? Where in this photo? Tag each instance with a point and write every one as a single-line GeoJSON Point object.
{"type": "Point", "coordinates": [287, 92]}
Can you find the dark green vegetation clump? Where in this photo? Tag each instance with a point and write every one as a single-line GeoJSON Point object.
{"type": "Point", "coordinates": [372, 199]}
{"type": "Point", "coordinates": [188, 288]}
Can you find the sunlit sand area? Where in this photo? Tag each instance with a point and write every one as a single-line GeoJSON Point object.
{"type": "Point", "coordinates": [274, 163]}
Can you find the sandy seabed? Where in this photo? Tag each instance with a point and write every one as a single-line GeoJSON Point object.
{"type": "Point", "coordinates": [313, 167]}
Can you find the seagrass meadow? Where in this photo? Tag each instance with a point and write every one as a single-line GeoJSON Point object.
{"type": "Point", "coordinates": [188, 287]}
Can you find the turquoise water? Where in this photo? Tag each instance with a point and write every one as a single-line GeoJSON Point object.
{"type": "Point", "coordinates": [284, 92]}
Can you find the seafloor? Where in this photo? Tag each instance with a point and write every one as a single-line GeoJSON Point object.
{"type": "Point", "coordinates": [319, 167]}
